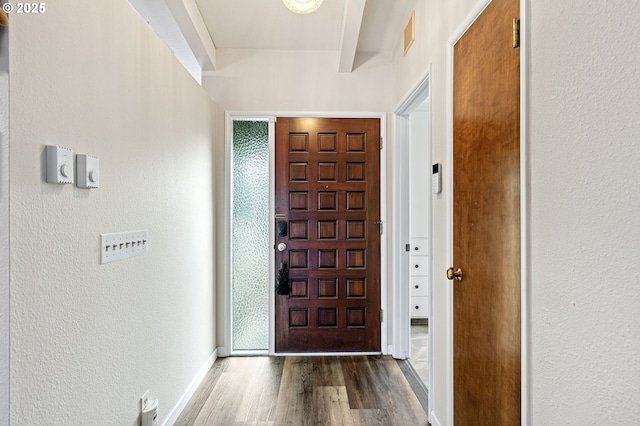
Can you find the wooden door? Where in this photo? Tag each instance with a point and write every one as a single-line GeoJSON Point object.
{"type": "Point", "coordinates": [328, 193]}
{"type": "Point", "coordinates": [486, 217]}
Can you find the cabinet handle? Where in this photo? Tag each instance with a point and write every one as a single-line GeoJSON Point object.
{"type": "Point", "coordinates": [417, 266]}
{"type": "Point", "coordinates": [416, 248]}
{"type": "Point", "coordinates": [417, 307]}
{"type": "Point", "coordinates": [417, 286]}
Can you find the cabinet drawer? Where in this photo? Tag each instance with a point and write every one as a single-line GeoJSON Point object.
{"type": "Point", "coordinates": [419, 265]}
{"type": "Point", "coordinates": [419, 286]}
{"type": "Point", "coordinates": [419, 307]}
{"type": "Point", "coordinates": [419, 246]}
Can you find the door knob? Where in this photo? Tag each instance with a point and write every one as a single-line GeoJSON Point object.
{"type": "Point", "coordinates": [457, 274]}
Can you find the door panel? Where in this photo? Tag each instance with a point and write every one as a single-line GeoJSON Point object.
{"type": "Point", "coordinates": [486, 220]}
{"type": "Point", "coordinates": [328, 193]}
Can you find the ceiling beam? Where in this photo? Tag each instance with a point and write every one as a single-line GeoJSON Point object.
{"type": "Point", "coordinates": [353, 13]}
{"type": "Point", "coordinates": [192, 26]}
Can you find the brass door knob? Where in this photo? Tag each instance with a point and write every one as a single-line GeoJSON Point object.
{"type": "Point", "coordinates": [457, 274]}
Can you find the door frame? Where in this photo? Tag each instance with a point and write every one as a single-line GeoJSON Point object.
{"type": "Point", "coordinates": [525, 197]}
{"type": "Point", "coordinates": [225, 348]}
{"type": "Point", "coordinates": [401, 321]}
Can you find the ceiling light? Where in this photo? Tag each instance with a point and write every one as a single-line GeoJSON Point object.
{"type": "Point", "coordinates": [302, 6]}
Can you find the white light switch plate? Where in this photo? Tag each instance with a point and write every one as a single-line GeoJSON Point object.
{"type": "Point", "coordinates": [123, 245]}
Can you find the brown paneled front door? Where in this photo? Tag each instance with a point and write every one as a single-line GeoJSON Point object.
{"type": "Point", "coordinates": [328, 195]}
{"type": "Point", "coordinates": [486, 220]}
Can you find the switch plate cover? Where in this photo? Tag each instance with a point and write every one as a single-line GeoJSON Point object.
{"type": "Point", "coordinates": [122, 245]}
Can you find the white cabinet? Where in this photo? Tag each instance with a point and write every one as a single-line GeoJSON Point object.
{"type": "Point", "coordinates": [419, 263]}
{"type": "Point", "coordinates": [419, 213]}
{"type": "Point", "coordinates": [419, 294]}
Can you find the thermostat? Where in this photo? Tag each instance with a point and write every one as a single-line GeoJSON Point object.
{"type": "Point", "coordinates": [88, 171]}
{"type": "Point", "coordinates": [59, 164]}
{"type": "Point", "coordinates": [436, 178]}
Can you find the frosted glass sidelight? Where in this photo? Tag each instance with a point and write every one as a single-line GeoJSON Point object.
{"type": "Point", "coordinates": [250, 236]}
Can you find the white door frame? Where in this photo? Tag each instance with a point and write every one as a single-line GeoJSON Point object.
{"type": "Point", "coordinates": [401, 321]}
{"type": "Point", "coordinates": [525, 197]}
{"type": "Point", "coordinates": [225, 349]}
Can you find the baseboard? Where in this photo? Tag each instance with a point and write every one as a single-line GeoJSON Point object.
{"type": "Point", "coordinates": [191, 389]}
{"type": "Point", "coordinates": [434, 419]}
{"type": "Point", "coordinates": [389, 350]}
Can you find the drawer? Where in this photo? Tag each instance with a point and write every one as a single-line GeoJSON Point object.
{"type": "Point", "coordinates": [419, 246]}
{"type": "Point", "coordinates": [419, 307]}
{"type": "Point", "coordinates": [419, 286]}
{"type": "Point", "coordinates": [419, 265]}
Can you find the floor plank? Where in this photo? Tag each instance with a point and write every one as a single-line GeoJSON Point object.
{"type": "Point", "coordinates": [295, 391]}
{"type": "Point", "coordinates": [333, 406]}
{"type": "Point", "coordinates": [200, 396]}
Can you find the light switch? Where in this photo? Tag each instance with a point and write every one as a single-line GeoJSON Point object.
{"type": "Point", "coordinates": [59, 164]}
{"type": "Point", "coordinates": [122, 245]}
{"type": "Point", "coordinates": [88, 171]}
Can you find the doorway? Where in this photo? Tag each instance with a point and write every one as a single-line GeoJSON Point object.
{"type": "Point", "coordinates": [413, 233]}
{"type": "Point", "coordinates": [485, 227]}
{"type": "Point", "coordinates": [327, 208]}
{"type": "Point", "coordinates": [226, 320]}
{"type": "Point", "coordinates": [419, 237]}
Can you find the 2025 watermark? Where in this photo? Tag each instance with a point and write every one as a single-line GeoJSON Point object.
{"type": "Point", "coordinates": [24, 7]}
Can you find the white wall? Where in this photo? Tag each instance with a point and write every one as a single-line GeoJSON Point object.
{"type": "Point", "coordinates": [253, 80]}
{"type": "Point", "coordinates": [436, 21]}
{"type": "Point", "coordinates": [4, 226]}
{"type": "Point", "coordinates": [585, 199]}
{"type": "Point", "coordinates": [279, 81]}
{"type": "Point", "coordinates": [159, 17]}
{"type": "Point", "coordinates": [88, 339]}
{"type": "Point", "coordinates": [585, 219]}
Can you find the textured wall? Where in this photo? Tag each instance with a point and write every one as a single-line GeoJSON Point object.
{"type": "Point", "coordinates": [251, 80]}
{"type": "Point", "coordinates": [279, 81]}
{"type": "Point", "coordinates": [585, 201]}
{"type": "Point", "coordinates": [436, 21]}
{"type": "Point", "coordinates": [4, 226]}
{"type": "Point", "coordinates": [88, 339]}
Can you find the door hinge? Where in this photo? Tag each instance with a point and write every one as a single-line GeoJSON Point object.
{"type": "Point", "coordinates": [380, 142]}
{"type": "Point", "coordinates": [516, 33]}
{"type": "Point", "coordinates": [381, 316]}
{"type": "Point", "coordinates": [379, 223]}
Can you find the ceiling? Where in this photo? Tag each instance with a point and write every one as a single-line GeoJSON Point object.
{"type": "Point", "coordinates": [196, 29]}
{"type": "Point", "coordinates": [268, 24]}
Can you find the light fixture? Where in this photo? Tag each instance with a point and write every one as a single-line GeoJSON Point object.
{"type": "Point", "coordinates": [302, 6]}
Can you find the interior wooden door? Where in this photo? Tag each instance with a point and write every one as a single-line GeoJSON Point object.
{"type": "Point", "coordinates": [328, 194]}
{"type": "Point", "coordinates": [486, 220]}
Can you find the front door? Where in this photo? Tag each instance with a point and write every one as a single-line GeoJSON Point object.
{"type": "Point", "coordinates": [486, 220]}
{"type": "Point", "coordinates": [327, 211]}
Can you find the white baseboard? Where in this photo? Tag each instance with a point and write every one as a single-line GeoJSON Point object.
{"type": "Point", "coordinates": [389, 350]}
{"type": "Point", "coordinates": [191, 389]}
{"type": "Point", "coordinates": [434, 419]}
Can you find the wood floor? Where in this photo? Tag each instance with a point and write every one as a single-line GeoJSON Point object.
{"type": "Point", "coordinates": [274, 391]}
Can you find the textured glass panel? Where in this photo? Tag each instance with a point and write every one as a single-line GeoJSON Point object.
{"type": "Point", "coordinates": [250, 235]}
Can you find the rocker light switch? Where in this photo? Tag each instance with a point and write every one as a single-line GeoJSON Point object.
{"type": "Point", "coordinates": [59, 164]}
{"type": "Point", "coordinates": [88, 171]}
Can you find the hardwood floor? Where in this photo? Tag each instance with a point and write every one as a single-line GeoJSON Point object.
{"type": "Point", "coordinates": [274, 391]}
